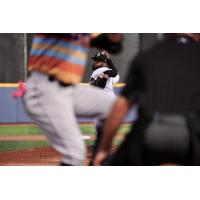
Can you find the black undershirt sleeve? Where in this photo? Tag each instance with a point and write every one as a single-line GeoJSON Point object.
{"type": "Point", "coordinates": [111, 64]}
{"type": "Point", "coordinates": [113, 72]}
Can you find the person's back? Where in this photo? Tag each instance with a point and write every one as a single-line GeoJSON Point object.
{"type": "Point", "coordinates": [63, 56]}
{"type": "Point", "coordinates": [167, 87]}
{"type": "Point", "coordinates": [171, 70]}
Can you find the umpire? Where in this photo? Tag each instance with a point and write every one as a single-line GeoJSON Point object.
{"type": "Point", "coordinates": [165, 81]}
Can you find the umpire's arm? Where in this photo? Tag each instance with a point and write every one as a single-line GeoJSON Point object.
{"type": "Point", "coordinates": [119, 110]}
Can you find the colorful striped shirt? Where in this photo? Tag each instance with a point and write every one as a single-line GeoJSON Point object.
{"type": "Point", "coordinates": [63, 56]}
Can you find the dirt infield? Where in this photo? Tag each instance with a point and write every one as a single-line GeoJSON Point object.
{"type": "Point", "coordinates": [43, 137]}
{"type": "Point", "coordinates": [45, 156]}
{"type": "Point", "coordinates": [33, 157]}
{"type": "Point", "coordinates": [23, 138]}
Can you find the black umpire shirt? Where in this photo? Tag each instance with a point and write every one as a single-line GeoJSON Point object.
{"type": "Point", "coordinates": [166, 78]}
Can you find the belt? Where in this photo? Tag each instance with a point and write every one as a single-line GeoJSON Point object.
{"type": "Point", "coordinates": [61, 83]}
{"type": "Point", "coordinates": [168, 118]}
{"type": "Point", "coordinates": [175, 119]}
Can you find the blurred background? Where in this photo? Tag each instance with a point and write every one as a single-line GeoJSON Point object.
{"type": "Point", "coordinates": [15, 47]}
{"type": "Point", "coordinates": [14, 54]}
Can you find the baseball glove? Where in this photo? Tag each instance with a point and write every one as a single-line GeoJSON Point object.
{"type": "Point", "coordinates": [99, 82]}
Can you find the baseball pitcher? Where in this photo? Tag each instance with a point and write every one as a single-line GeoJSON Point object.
{"type": "Point", "coordinates": [104, 76]}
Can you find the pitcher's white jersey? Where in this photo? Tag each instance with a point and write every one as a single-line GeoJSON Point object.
{"type": "Point", "coordinates": [110, 81]}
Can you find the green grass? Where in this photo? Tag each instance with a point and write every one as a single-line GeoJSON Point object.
{"type": "Point", "coordinates": [125, 128]}
{"type": "Point", "coordinates": [6, 146]}
{"type": "Point", "coordinates": [20, 130]}
{"type": "Point", "coordinates": [87, 129]}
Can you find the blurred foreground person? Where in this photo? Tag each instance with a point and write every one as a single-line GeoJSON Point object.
{"type": "Point", "coordinates": [165, 81]}
{"type": "Point", "coordinates": [53, 98]}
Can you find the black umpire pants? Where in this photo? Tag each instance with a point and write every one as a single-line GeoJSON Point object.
{"type": "Point", "coordinates": [160, 139]}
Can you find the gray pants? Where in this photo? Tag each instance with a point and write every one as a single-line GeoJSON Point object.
{"type": "Point", "coordinates": [55, 109]}
{"type": "Point", "coordinates": [155, 140]}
